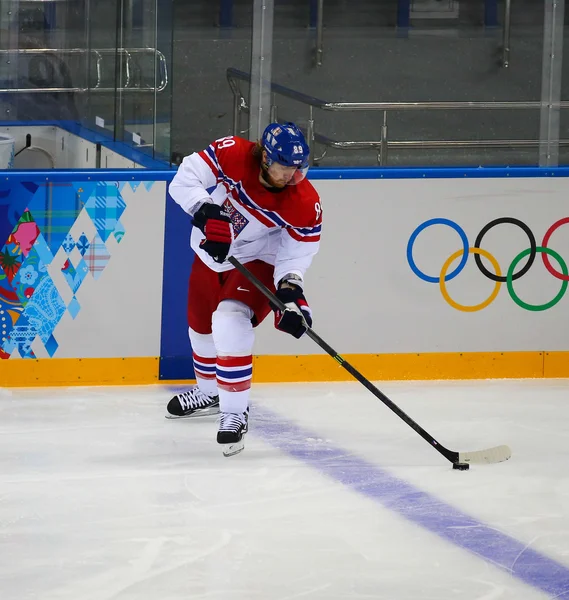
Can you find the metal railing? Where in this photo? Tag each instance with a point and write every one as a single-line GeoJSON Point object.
{"type": "Point", "coordinates": [383, 145]}
{"type": "Point", "coordinates": [129, 55]}
{"type": "Point", "coordinates": [506, 33]}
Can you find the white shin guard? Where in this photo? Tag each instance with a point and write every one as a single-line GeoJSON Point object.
{"type": "Point", "coordinates": [233, 336]}
{"type": "Point", "coordinates": [232, 329]}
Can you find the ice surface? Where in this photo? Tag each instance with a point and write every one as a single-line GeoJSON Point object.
{"type": "Point", "coordinates": [334, 497]}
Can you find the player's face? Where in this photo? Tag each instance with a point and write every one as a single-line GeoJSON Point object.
{"type": "Point", "coordinates": [280, 175]}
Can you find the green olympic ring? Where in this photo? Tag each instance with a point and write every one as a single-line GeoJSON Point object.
{"type": "Point", "coordinates": [510, 282]}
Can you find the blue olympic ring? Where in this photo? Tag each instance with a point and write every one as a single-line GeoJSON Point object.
{"type": "Point", "coordinates": [413, 237]}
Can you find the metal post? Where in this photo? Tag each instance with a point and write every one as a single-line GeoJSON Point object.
{"type": "Point", "coordinates": [236, 114]}
{"type": "Point", "coordinates": [261, 67]}
{"type": "Point", "coordinates": [319, 33]}
{"type": "Point", "coordinates": [119, 70]}
{"type": "Point", "coordinates": [551, 83]}
{"type": "Point", "coordinates": [310, 134]}
{"type": "Point", "coordinates": [383, 145]}
{"type": "Point", "coordinates": [87, 18]}
{"type": "Point", "coordinates": [155, 103]}
{"type": "Point", "coordinates": [274, 109]}
{"type": "Point", "coordinates": [506, 33]}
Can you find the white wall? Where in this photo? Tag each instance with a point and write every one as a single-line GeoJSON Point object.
{"type": "Point", "coordinates": [366, 299]}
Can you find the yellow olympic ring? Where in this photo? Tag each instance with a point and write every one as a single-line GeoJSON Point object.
{"type": "Point", "coordinates": [489, 300]}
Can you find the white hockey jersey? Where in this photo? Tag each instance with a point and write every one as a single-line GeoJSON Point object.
{"type": "Point", "coordinates": [280, 228]}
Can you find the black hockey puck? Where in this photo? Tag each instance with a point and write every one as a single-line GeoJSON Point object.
{"type": "Point", "coordinates": [461, 466]}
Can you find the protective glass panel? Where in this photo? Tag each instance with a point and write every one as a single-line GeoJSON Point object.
{"type": "Point", "coordinates": [426, 59]}
{"type": "Point", "coordinates": [96, 70]}
{"type": "Point", "coordinates": [209, 37]}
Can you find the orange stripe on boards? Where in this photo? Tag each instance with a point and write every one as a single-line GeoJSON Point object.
{"type": "Point", "coordinates": [16, 372]}
{"type": "Point", "coordinates": [556, 364]}
{"type": "Point", "coordinates": [440, 365]}
{"type": "Point", "coordinates": [277, 368]}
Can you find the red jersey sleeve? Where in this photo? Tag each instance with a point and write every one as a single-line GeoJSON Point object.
{"type": "Point", "coordinates": [225, 156]}
{"type": "Point", "coordinates": [306, 223]}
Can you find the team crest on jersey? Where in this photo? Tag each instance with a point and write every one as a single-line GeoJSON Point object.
{"type": "Point", "coordinates": [237, 219]}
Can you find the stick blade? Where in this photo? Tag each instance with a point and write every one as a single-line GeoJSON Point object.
{"type": "Point", "coordinates": [486, 457]}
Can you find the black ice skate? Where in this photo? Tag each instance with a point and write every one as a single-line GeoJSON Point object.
{"type": "Point", "coordinates": [232, 429]}
{"type": "Point", "coordinates": [193, 403]}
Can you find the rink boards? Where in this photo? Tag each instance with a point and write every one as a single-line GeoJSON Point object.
{"type": "Point", "coordinates": [422, 274]}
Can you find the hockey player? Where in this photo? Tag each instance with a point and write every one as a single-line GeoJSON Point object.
{"type": "Point", "coordinates": [251, 201]}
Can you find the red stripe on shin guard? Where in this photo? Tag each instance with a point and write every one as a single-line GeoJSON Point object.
{"type": "Point", "coordinates": [233, 366]}
{"type": "Point", "coordinates": [234, 361]}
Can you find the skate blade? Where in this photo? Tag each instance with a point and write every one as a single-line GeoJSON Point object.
{"type": "Point", "coordinates": [233, 449]}
{"type": "Point", "coordinates": [206, 412]}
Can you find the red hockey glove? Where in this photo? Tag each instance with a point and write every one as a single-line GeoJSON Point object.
{"type": "Point", "coordinates": [297, 317]}
{"type": "Point", "coordinates": [216, 226]}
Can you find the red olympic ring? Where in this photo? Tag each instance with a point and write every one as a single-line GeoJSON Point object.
{"type": "Point", "coordinates": [545, 257]}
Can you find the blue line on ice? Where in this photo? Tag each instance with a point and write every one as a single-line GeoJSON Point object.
{"type": "Point", "coordinates": [415, 505]}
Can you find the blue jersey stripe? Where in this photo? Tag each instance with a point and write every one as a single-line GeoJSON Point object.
{"type": "Point", "coordinates": [308, 230]}
{"type": "Point", "coordinates": [277, 220]}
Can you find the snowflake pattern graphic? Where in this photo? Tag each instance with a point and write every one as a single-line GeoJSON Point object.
{"type": "Point", "coordinates": [31, 305]}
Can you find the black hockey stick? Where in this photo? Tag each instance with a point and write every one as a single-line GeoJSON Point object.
{"type": "Point", "coordinates": [460, 460]}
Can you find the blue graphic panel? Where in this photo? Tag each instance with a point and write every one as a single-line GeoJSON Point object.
{"type": "Point", "coordinates": [118, 232]}
{"type": "Point", "coordinates": [96, 256]}
{"type": "Point", "coordinates": [45, 308]}
{"type": "Point", "coordinates": [105, 207]}
{"type": "Point", "coordinates": [55, 208]}
{"type": "Point", "coordinates": [14, 198]}
{"type": "Point", "coordinates": [68, 244]}
{"type": "Point", "coordinates": [21, 337]}
{"type": "Point", "coordinates": [83, 244]}
{"type": "Point", "coordinates": [37, 222]}
{"type": "Point", "coordinates": [11, 310]}
{"type": "Point", "coordinates": [74, 307]}
{"type": "Point", "coordinates": [74, 276]}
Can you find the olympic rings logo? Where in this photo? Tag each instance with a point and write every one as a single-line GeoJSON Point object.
{"type": "Point", "coordinates": [511, 274]}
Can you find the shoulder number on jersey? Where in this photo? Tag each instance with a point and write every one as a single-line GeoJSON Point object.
{"type": "Point", "coordinates": [225, 142]}
{"type": "Point", "coordinates": [318, 210]}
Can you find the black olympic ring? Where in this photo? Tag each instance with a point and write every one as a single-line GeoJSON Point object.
{"type": "Point", "coordinates": [531, 257]}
